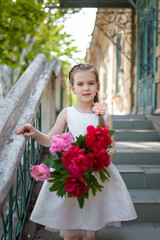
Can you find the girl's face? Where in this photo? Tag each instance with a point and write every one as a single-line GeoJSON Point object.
{"type": "Point", "coordinates": [85, 86]}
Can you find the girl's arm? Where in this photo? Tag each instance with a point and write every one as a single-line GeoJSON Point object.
{"type": "Point", "coordinates": [45, 139]}
{"type": "Point", "coordinates": [112, 150]}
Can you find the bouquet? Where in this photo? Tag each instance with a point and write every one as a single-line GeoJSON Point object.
{"type": "Point", "coordinates": [76, 166]}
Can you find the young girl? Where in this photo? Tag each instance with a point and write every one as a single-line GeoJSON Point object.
{"type": "Point", "coordinates": [107, 208]}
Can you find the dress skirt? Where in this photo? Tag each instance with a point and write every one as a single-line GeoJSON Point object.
{"type": "Point", "coordinates": [107, 208]}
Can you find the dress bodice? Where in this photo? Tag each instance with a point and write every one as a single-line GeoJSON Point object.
{"type": "Point", "coordinates": [78, 122]}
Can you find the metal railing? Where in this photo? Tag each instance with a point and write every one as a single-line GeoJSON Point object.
{"type": "Point", "coordinates": [16, 207]}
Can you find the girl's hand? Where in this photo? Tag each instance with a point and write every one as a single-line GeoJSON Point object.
{"type": "Point", "coordinates": [111, 151]}
{"type": "Point", "coordinates": [28, 130]}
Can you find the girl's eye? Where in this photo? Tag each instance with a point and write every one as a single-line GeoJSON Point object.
{"type": "Point", "coordinates": [79, 84]}
{"type": "Point", "coordinates": [91, 83]}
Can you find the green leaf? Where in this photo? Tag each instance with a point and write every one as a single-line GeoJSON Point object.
{"type": "Point", "coordinates": [99, 125]}
{"type": "Point", "coordinates": [109, 146]}
{"type": "Point", "coordinates": [81, 141]}
{"type": "Point", "coordinates": [59, 166]}
{"type": "Point", "coordinates": [50, 161]}
{"type": "Point", "coordinates": [59, 155]}
{"type": "Point", "coordinates": [103, 177]}
{"type": "Point", "coordinates": [112, 132]}
{"type": "Point", "coordinates": [61, 191]}
{"type": "Point", "coordinates": [106, 172]}
{"type": "Point", "coordinates": [81, 201]}
{"type": "Point", "coordinates": [55, 187]}
{"type": "Point", "coordinates": [56, 180]}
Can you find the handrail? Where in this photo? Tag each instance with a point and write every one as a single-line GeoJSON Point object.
{"type": "Point", "coordinates": [20, 107]}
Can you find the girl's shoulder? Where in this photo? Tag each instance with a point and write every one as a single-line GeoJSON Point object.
{"type": "Point", "coordinates": [63, 113]}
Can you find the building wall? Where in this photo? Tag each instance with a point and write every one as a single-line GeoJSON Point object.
{"type": "Point", "coordinates": [125, 100]}
{"type": "Point", "coordinates": [116, 102]}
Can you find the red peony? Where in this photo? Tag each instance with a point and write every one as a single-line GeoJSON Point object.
{"type": "Point", "coordinates": [76, 162]}
{"type": "Point", "coordinates": [75, 187]}
{"type": "Point", "coordinates": [98, 137]}
{"type": "Point", "coordinates": [101, 159]}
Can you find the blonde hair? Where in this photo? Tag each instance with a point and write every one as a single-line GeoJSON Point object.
{"type": "Point", "coordinates": [87, 67]}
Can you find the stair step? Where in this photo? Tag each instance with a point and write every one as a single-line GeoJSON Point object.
{"type": "Point", "coordinates": [119, 117]}
{"type": "Point", "coordinates": [130, 231]}
{"type": "Point", "coordinates": [140, 176]}
{"type": "Point", "coordinates": [132, 124]}
{"type": "Point", "coordinates": [147, 204]}
{"type": "Point", "coordinates": [137, 135]}
{"type": "Point", "coordinates": [134, 146]}
{"type": "Point", "coordinates": [137, 158]}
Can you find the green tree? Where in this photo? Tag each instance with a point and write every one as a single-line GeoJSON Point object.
{"type": "Point", "coordinates": [26, 29]}
{"type": "Point", "coordinates": [19, 21]}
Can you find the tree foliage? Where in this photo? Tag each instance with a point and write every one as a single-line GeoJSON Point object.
{"type": "Point", "coordinates": [18, 19]}
{"type": "Point", "coordinates": [26, 25]}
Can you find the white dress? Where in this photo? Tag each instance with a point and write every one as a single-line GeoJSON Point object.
{"type": "Point", "coordinates": [107, 208]}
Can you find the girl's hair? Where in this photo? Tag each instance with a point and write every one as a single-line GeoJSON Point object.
{"type": "Point", "coordinates": [87, 67]}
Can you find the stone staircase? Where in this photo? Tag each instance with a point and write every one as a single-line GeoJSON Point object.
{"type": "Point", "coordinates": [138, 161]}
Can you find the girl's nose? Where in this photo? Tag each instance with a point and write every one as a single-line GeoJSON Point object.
{"type": "Point", "coordinates": [86, 87]}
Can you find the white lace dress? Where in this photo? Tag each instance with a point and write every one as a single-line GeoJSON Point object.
{"type": "Point", "coordinates": [107, 208]}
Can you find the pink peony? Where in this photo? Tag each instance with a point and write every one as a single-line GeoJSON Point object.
{"type": "Point", "coordinates": [75, 187]}
{"type": "Point", "coordinates": [61, 143]}
{"type": "Point", "coordinates": [40, 172]}
{"type": "Point", "coordinates": [76, 162]}
{"type": "Point", "coordinates": [99, 108]}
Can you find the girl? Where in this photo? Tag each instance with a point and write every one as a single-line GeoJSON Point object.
{"type": "Point", "coordinates": [109, 207]}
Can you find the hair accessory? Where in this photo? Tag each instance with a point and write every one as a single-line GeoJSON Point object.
{"type": "Point", "coordinates": [99, 108]}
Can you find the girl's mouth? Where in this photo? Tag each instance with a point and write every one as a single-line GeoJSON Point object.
{"type": "Point", "coordinates": [86, 94]}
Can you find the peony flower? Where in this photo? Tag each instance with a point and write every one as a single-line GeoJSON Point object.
{"type": "Point", "coordinates": [75, 187]}
{"type": "Point", "coordinates": [101, 159]}
{"type": "Point", "coordinates": [98, 137]}
{"type": "Point", "coordinates": [76, 162]}
{"type": "Point", "coordinates": [99, 108]}
{"type": "Point", "coordinates": [61, 143]}
{"type": "Point", "coordinates": [40, 172]}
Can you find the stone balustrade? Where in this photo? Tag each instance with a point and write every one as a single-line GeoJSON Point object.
{"type": "Point", "coordinates": [38, 85]}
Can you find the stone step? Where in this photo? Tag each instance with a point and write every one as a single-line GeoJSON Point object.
{"type": "Point", "coordinates": [147, 204]}
{"type": "Point", "coordinates": [144, 157]}
{"type": "Point", "coordinates": [130, 231]}
{"type": "Point", "coordinates": [137, 135]}
{"type": "Point", "coordinates": [119, 117]}
{"type": "Point", "coordinates": [140, 176]}
{"type": "Point", "coordinates": [132, 124]}
{"type": "Point", "coordinates": [134, 146]}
